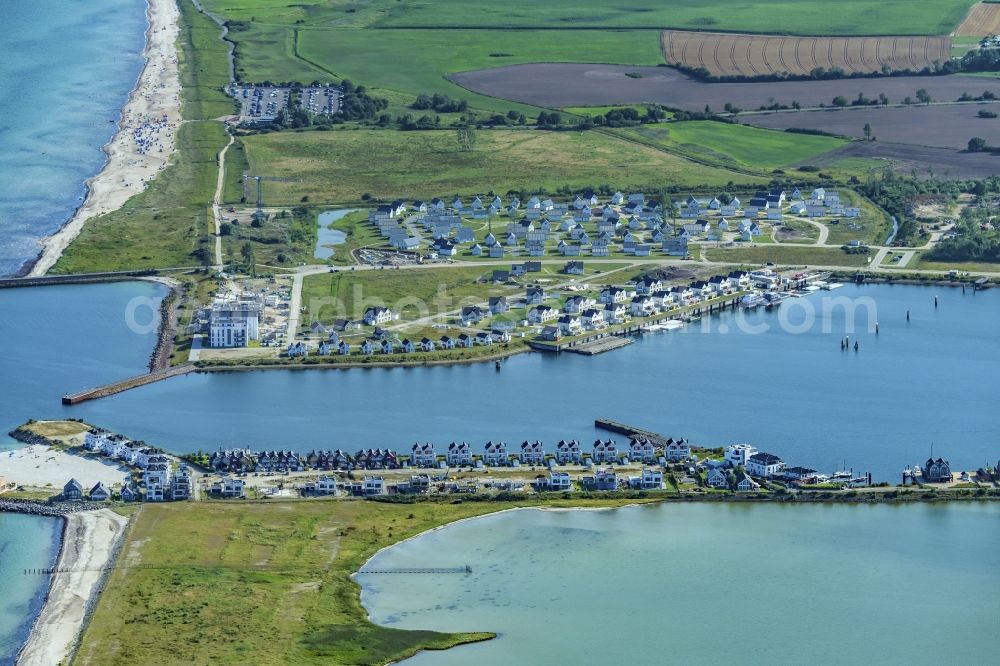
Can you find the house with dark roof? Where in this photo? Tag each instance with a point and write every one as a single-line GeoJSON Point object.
{"type": "Point", "coordinates": [459, 454]}
{"type": "Point", "coordinates": [99, 493]}
{"type": "Point", "coordinates": [72, 491]}
{"type": "Point", "coordinates": [936, 471]}
{"type": "Point", "coordinates": [765, 465]}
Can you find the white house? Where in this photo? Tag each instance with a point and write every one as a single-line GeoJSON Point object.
{"type": "Point", "coordinates": [651, 479]}
{"type": "Point", "coordinates": [495, 453]}
{"type": "Point", "coordinates": [422, 455]}
{"type": "Point", "coordinates": [764, 465]}
{"type": "Point", "coordinates": [678, 450]}
{"type": "Point", "coordinates": [532, 453]}
{"type": "Point", "coordinates": [459, 454]}
{"type": "Point", "coordinates": [568, 452]}
{"type": "Point", "coordinates": [642, 450]}
{"type": "Point", "coordinates": [605, 451]}
{"type": "Point", "coordinates": [377, 315]}
{"type": "Point", "coordinates": [737, 455]}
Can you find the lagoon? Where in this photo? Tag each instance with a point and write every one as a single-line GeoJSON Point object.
{"type": "Point", "coordinates": [704, 583]}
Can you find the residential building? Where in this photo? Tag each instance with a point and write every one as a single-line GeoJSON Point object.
{"type": "Point", "coordinates": [234, 321]}
{"type": "Point", "coordinates": [605, 451]}
{"type": "Point", "coordinates": [764, 465]}
{"type": "Point", "coordinates": [936, 471]}
{"type": "Point", "coordinates": [532, 453]}
{"type": "Point", "coordinates": [568, 452]}
{"type": "Point", "coordinates": [422, 455]}
{"type": "Point", "coordinates": [495, 453]}
{"type": "Point", "coordinates": [737, 455]}
{"type": "Point", "coordinates": [459, 455]}
{"type": "Point", "coordinates": [676, 451]}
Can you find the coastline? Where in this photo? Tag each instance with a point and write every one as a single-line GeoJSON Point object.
{"type": "Point", "coordinates": [90, 543]}
{"type": "Point", "coordinates": [143, 141]}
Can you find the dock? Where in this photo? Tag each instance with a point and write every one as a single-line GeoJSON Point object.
{"type": "Point", "coordinates": [600, 345]}
{"type": "Point", "coordinates": [629, 431]}
{"type": "Point", "coordinates": [126, 384]}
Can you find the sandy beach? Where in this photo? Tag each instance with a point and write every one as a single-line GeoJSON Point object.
{"type": "Point", "coordinates": [144, 141]}
{"type": "Point", "coordinates": [40, 466]}
{"type": "Point", "coordinates": [89, 540]}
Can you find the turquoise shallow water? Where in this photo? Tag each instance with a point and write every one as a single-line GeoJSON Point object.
{"type": "Point", "coordinates": [25, 542]}
{"type": "Point", "coordinates": [705, 584]}
{"type": "Point", "coordinates": [66, 68]}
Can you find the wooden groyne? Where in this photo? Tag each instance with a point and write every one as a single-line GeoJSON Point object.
{"type": "Point", "coordinates": [629, 431]}
{"type": "Point", "coordinates": [420, 570]}
{"type": "Point", "coordinates": [126, 384]}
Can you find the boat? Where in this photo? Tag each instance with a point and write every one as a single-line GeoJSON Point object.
{"type": "Point", "coordinates": [830, 286]}
{"type": "Point", "coordinates": [751, 301]}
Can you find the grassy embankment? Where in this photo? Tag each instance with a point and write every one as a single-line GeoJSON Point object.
{"type": "Point", "coordinates": [167, 223]}
{"type": "Point", "coordinates": [339, 167]}
{"type": "Point", "coordinates": [188, 572]}
{"type": "Point", "coordinates": [794, 255]}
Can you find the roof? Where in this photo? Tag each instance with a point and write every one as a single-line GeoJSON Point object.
{"type": "Point", "coordinates": [765, 459]}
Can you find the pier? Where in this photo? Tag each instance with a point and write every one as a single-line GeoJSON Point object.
{"type": "Point", "coordinates": [76, 278]}
{"type": "Point", "coordinates": [126, 384]}
{"type": "Point", "coordinates": [629, 431]}
{"type": "Point", "coordinates": [600, 345]}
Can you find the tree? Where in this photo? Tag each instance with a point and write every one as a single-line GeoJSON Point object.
{"type": "Point", "coordinates": [840, 101]}
{"type": "Point", "coordinates": [977, 145]}
{"type": "Point", "coordinates": [923, 96]}
{"type": "Point", "coordinates": [868, 132]}
{"type": "Point", "coordinates": [249, 259]}
{"type": "Point", "coordinates": [883, 100]}
{"type": "Point", "coordinates": [225, 229]}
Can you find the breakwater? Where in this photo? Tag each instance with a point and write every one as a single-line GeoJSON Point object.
{"type": "Point", "coordinates": [55, 509]}
{"type": "Point", "coordinates": [126, 384]}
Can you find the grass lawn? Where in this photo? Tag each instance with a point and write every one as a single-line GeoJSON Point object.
{"type": "Point", "coordinates": [918, 261]}
{"type": "Point", "coordinates": [262, 583]}
{"type": "Point", "coordinates": [411, 293]}
{"type": "Point", "coordinates": [737, 146]}
{"type": "Point", "coordinates": [861, 17]}
{"type": "Point", "coordinates": [170, 220]}
{"type": "Point", "coordinates": [340, 166]}
{"type": "Point", "coordinates": [787, 255]}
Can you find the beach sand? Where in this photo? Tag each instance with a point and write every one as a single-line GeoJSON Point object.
{"type": "Point", "coordinates": [144, 141]}
{"type": "Point", "coordinates": [40, 466]}
{"type": "Point", "coordinates": [89, 540]}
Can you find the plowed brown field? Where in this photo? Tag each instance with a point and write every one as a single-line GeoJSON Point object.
{"type": "Point", "coordinates": [759, 55]}
{"type": "Point", "coordinates": [982, 20]}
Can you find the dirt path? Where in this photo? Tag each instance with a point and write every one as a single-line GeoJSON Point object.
{"type": "Point", "coordinates": [217, 203]}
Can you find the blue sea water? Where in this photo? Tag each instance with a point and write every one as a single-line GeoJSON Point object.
{"type": "Point", "coordinates": [66, 69]}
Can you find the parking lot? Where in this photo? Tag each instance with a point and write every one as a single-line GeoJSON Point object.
{"type": "Point", "coordinates": [262, 104]}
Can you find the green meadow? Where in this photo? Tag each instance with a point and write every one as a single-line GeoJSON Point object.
{"type": "Point", "coordinates": [804, 17]}
{"type": "Point", "coordinates": [737, 146]}
{"type": "Point", "coordinates": [341, 166]}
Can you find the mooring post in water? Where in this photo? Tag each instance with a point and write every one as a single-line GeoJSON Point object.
{"type": "Point", "coordinates": [935, 301]}
{"type": "Point", "coordinates": [907, 315]}
{"type": "Point", "coordinates": [876, 328]}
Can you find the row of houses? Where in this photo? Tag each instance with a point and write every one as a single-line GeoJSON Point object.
{"type": "Point", "coordinates": [456, 454]}
{"type": "Point", "coordinates": [388, 345]}
{"type": "Point", "coordinates": [119, 447]}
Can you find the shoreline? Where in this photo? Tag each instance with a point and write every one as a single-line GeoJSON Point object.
{"type": "Point", "coordinates": [90, 542]}
{"type": "Point", "coordinates": [129, 167]}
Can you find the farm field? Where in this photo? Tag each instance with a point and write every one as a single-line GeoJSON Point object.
{"type": "Point", "coordinates": [921, 161]}
{"type": "Point", "coordinates": [982, 20]}
{"type": "Point", "coordinates": [952, 125]}
{"type": "Point", "coordinates": [726, 54]}
{"type": "Point", "coordinates": [807, 17]}
{"type": "Point", "coordinates": [561, 85]}
{"type": "Point", "coordinates": [341, 166]}
{"type": "Point", "coordinates": [734, 145]}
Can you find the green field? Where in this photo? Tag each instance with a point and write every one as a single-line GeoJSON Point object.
{"type": "Point", "coordinates": [262, 583]}
{"type": "Point", "coordinates": [808, 17]}
{"type": "Point", "coordinates": [165, 224]}
{"type": "Point", "coordinates": [737, 146]}
{"type": "Point", "coordinates": [341, 166]}
{"type": "Point", "coordinates": [787, 255]}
